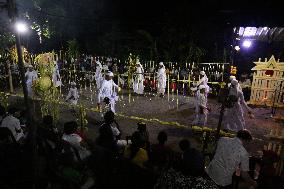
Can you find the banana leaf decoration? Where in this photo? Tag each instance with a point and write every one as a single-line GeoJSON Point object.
{"type": "Point", "coordinates": [132, 59]}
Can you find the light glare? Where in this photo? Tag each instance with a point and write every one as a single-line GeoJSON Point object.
{"type": "Point", "coordinates": [21, 27]}
{"type": "Point", "coordinates": [237, 48]}
{"type": "Point", "coordinates": [247, 43]}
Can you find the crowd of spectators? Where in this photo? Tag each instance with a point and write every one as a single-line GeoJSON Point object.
{"type": "Point", "coordinates": [68, 159]}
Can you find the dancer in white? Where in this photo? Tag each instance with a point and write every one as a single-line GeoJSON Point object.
{"type": "Point", "coordinates": [201, 109]}
{"type": "Point", "coordinates": [232, 77]}
{"type": "Point", "coordinates": [203, 81]}
{"type": "Point", "coordinates": [31, 76]}
{"type": "Point", "coordinates": [108, 90]}
{"type": "Point", "coordinates": [138, 84]}
{"type": "Point", "coordinates": [73, 94]}
{"type": "Point", "coordinates": [162, 80]}
{"type": "Point", "coordinates": [98, 75]}
{"type": "Point", "coordinates": [56, 76]}
{"type": "Point", "coordinates": [234, 114]}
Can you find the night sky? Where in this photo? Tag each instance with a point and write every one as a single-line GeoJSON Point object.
{"type": "Point", "coordinates": [211, 20]}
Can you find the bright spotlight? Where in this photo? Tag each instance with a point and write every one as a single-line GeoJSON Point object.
{"type": "Point", "coordinates": [247, 44]}
{"type": "Point", "coordinates": [237, 48]}
{"type": "Point", "coordinates": [21, 27]}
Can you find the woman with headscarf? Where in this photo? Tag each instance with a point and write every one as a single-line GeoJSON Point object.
{"type": "Point", "coordinates": [234, 114]}
{"type": "Point", "coordinates": [138, 84]}
{"type": "Point", "coordinates": [162, 79]}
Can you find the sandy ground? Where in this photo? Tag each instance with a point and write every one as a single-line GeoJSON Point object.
{"type": "Point", "coordinates": [171, 108]}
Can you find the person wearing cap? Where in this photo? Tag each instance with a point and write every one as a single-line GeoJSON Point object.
{"type": "Point", "coordinates": [162, 80]}
{"type": "Point", "coordinates": [31, 76]}
{"type": "Point", "coordinates": [234, 114]}
{"type": "Point", "coordinates": [73, 94]}
{"type": "Point", "coordinates": [107, 89]}
{"type": "Point", "coordinates": [203, 81]}
{"type": "Point", "coordinates": [138, 84]}
{"type": "Point", "coordinates": [201, 109]}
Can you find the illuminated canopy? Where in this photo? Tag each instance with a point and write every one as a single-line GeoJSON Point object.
{"type": "Point", "coordinates": [260, 33]}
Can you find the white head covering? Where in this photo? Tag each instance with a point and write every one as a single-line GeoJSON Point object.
{"type": "Point", "coordinates": [201, 87]}
{"type": "Point", "coordinates": [30, 66]}
{"type": "Point", "coordinates": [73, 83]}
{"type": "Point", "coordinates": [232, 77]}
{"type": "Point", "coordinates": [161, 63]}
{"type": "Point", "coordinates": [109, 74]}
{"type": "Point", "coordinates": [234, 82]}
{"type": "Point", "coordinates": [202, 73]}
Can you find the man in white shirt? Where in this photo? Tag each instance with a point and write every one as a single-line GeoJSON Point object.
{"type": "Point", "coordinates": [56, 79]}
{"type": "Point", "coordinates": [74, 139]}
{"type": "Point", "coordinates": [73, 94]}
{"type": "Point", "coordinates": [201, 110]}
{"type": "Point", "coordinates": [162, 80]}
{"type": "Point", "coordinates": [31, 76]}
{"type": "Point", "coordinates": [230, 156]}
{"type": "Point", "coordinates": [204, 81]}
{"type": "Point", "coordinates": [98, 74]}
{"type": "Point", "coordinates": [138, 85]}
{"type": "Point", "coordinates": [13, 124]}
{"type": "Point", "coordinates": [108, 90]}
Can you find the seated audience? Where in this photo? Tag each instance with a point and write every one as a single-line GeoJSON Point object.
{"type": "Point", "coordinates": [74, 139]}
{"type": "Point", "coordinates": [135, 152]}
{"type": "Point", "coordinates": [230, 156]}
{"type": "Point", "coordinates": [47, 129]}
{"type": "Point", "coordinates": [13, 123]}
{"type": "Point", "coordinates": [142, 129]}
{"type": "Point", "coordinates": [107, 133]}
{"type": "Point", "coordinates": [192, 162]}
{"type": "Point", "coordinates": [161, 154]}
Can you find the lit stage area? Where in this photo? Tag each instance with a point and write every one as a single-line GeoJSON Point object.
{"type": "Point", "coordinates": [173, 114]}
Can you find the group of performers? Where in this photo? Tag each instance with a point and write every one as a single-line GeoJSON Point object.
{"type": "Point", "coordinates": [107, 93]}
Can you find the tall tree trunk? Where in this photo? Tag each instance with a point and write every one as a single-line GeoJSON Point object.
{"type": "Point", "coordinates": [10, 76]}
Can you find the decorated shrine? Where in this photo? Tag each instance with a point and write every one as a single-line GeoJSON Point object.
{"type": "Point", "coordinates": [267, 86]}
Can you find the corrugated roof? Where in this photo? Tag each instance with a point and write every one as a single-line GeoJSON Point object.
{"type": "Point", "coordinates": [260, 33]}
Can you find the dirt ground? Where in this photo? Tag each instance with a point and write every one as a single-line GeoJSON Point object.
{"type": "Point", "coordinates": [159, 113]}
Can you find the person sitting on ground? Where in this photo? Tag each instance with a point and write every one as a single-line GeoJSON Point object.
{"type": "Point", "coordinates": [135, 152]}
{"type": "Point", "coordinates": [161, 154]}
{"type": "Point", "coordinates": [142, 129]}
{"type": "Point", "coordinates": [47, 122]}
{"type": "Point", "coordinates": [74, 139]}
{"type": "Point", "coordinates": [192, 161]}
{"type": "Point", "coordinates": [230, 156]}
{"type": "Point", "coordinates": [48, 130]}
{"type": "Point", "coordinates": [107, 133]}
{"type": "Point", "coordinates": [106, 107]}
{"type": "Point", "coordinates": [13, 123]}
